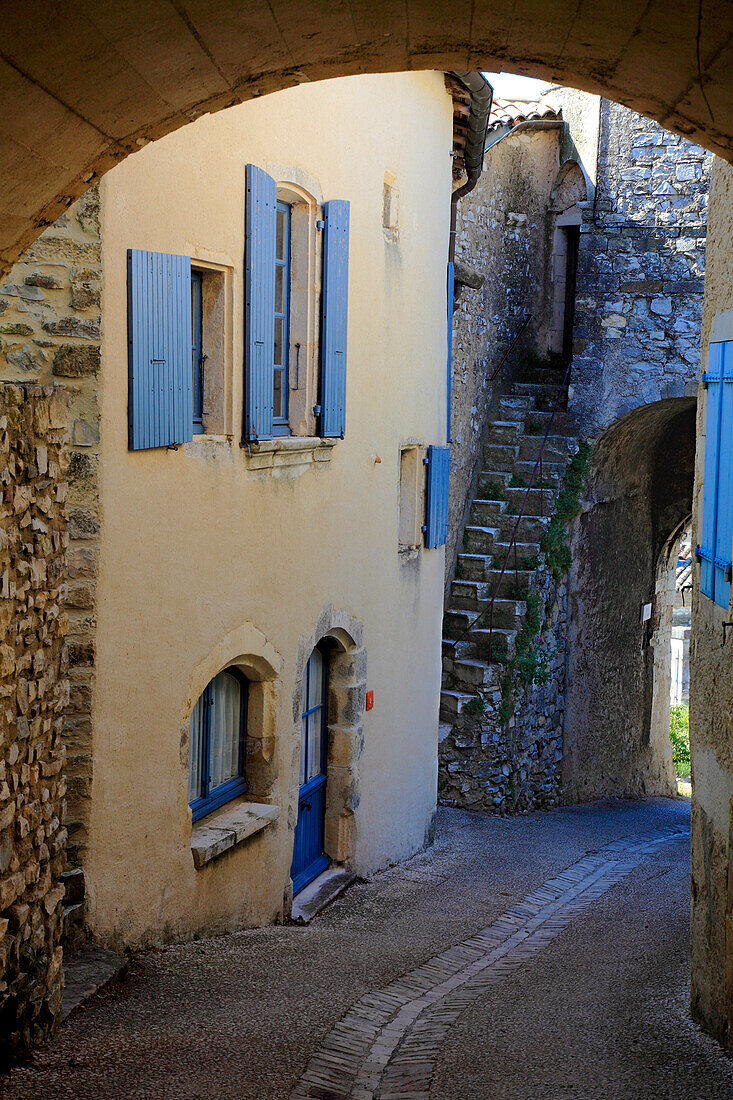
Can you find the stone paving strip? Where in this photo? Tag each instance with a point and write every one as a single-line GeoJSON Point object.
{"type": "Point", "coordinates": [385, 1047]}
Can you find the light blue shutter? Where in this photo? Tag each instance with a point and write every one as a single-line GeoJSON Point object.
{"type": "Point", "coordinates": [335, 299]}
{"type": "Point", "coordinates": [707, 552]}
{"type": "Point", "coordinates": [724, 524]}
{"type": "Point", "coordinates": [259, 309]}
{"type": "Point", "coordinates": [450, 291]}
{"type": "Point", "coordinates": [160, 398]}
{"type": "Point", "coordinates": [436, 509]}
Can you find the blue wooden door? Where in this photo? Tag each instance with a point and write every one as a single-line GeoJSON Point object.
{"type": "Point", "coordinates": [309, 858]}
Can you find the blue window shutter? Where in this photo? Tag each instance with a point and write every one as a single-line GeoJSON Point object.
{"type": "Point", "coordinates": [160, 398]}
{"type": "Point", "coordinates": [707, 551]}
{"type": "Point", "coordinates": [259, 309]}
{"type": "Point", "coordinates": [436, 509]}
{"type": "Point", "coordinates": [449, 375]}
{"type": "Point", "coordinates": [724, 524]}
{"type": "Point", "coordinates": [334, 304]}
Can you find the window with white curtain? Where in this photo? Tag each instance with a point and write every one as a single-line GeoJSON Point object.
{"type": "Point", "coordinates": [217, 744]}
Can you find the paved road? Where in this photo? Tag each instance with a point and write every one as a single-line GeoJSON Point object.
{"type": "Point", "coordinates": [532, 958]}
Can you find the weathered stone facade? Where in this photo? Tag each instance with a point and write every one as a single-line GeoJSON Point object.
{"type": "Point", "coordinates": [634, 199]}
{"type": "Point", "coordinates": [641, 265]}
{"type": "Point", "coordinates": [50, 318]}
{"type": "Point", "coordinates": [34, 690]}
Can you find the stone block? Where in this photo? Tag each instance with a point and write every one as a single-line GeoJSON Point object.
{"type": "Point", "coordinates": [76, 361]}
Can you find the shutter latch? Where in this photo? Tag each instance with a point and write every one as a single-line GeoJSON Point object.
{"type": "Point", "coordinates": [320, 225]}
{"type": "Point", "coordinates": [316, 410]}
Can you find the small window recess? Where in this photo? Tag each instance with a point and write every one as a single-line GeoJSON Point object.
{"type": "Point", "coordinates": [390, 208]}
{"type": "Point", "coordinates": [211, 359]}
{"type": "Point", "coordinates": [411, 499]}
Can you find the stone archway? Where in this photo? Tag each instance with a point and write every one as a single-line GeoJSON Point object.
{"type": "Point", "coordinates": [639, 493]}
{"type": "Point", "coordinates": [83, 87]}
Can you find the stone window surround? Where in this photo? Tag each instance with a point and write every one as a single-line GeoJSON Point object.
{"type": "Point", "coordinates": [246, 649]}
{"type": "Point", "coordinates": [410, 497]}
{"type": "Point", "coordinates": [346, 705]}
{"type": "Point", "coordinates": [290, 454]}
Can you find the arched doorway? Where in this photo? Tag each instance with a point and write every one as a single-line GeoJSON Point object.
{"type": "Point", "coordinates": [638, 499]}
{"type": "Point", "coordinates": [569, 190]}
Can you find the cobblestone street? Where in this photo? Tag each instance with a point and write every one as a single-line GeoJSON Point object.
{"type": "Point", "coordinates": [542, 956]}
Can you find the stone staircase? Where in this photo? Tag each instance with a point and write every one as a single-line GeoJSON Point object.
{"type": "Point", "coordinates": [474, 659]}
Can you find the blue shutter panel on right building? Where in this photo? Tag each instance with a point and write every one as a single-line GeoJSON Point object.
{"type": "Point", "coordinates": [436, 505]}
{"type": "Point", "coordinates": [160, 384]}
{"type": "Point", "coordinates": [717, 515]}
{"type": "Point", "coordinates": [334, 319]}
{"type": "Point", "coordinates": [260, 218]}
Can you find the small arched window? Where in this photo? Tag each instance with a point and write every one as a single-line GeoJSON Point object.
{"type": "Point", "coordinates": [217, 745]}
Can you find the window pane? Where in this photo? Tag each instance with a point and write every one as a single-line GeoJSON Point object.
{"type": "Point", "coordinates": [315, 728]}
{"type": "Point", "coordinates": [277, 397]}
{"type": "Point", "coordinates": [279, 289]}
{"type": "Point", "coordinates": [279, 337]}
{"type": "Point", "coordinates": [225, 726]}
{"type": "Point", "coordinates": [303, 748]}
{"type": "Point", "coordinates": [315, 679]}
{"type": "Point", "coordinates": [195, 750]}
{"type": "Point", "coordinates": [280, 237]}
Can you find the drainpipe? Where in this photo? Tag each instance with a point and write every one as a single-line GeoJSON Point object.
{"type": "Point", "coordinates": [478, 124]}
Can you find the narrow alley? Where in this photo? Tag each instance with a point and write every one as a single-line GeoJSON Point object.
{"type": "Point", "coordinates": [553, 961]}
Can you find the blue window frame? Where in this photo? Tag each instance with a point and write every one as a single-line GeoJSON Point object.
{"type": "Point", "coordinates": [714, 553]}
{"type": "Point", "coordinates": [280, 425]}
{"type": "Point", "coordinates": [217, 745]}
{"type": "Point", "coordinates": [197, 352]}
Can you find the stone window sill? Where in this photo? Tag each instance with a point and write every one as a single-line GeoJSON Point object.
{"type": "Point", "coordinates": [288, 451]}
{"type": "Point", "coordinates": [227, 828]}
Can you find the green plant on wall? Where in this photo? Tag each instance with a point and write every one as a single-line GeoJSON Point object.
{"type": "Point", "coordinates": [679, 734]}
{"type": "Point", "coordinates": [555, 542]}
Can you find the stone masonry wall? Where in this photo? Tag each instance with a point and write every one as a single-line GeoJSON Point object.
{"type": "Point", "coordinates": [50, 333]}
{"type": "Point", "coordinates": [502, 234]}
{"type": "Point", "coordinates": [641, 270]}
{"type": "Point", "coordinates": [34, 693]}
{"type": "Point", "coordinates": [488, 764]}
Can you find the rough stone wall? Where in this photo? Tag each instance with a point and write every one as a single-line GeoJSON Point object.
{"type": "Point", "coordinates": [641, 266]}
{"type": "Point", "coordinates": [502, 234]}
{"type": "Point", "coordinates": [711, 690]}
{"type": "Point", "coordinates": [34, 692]}
{"type": "Point", "coordinates": [50, 333]}
{"type": "Point", "coordinates": [485, 763]}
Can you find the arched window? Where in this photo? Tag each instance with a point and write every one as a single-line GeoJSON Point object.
{"type": "Point", "coordinates": [217, 746]}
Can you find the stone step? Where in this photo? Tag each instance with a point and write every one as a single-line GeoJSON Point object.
{"type": "Point", "coordinates": [532, 507]}
{"type": "Point", "coordinates": [524, 577]}
{"type": "Point", "coordinates": [494, 646]}
{"type": "Point", "coordinates": [561, 446]}
{"type": "Point", "coordinates": [488, 480]}
{"type": "Point", "coordinates": [560, 424]}
{"type": "Point", "coordinates": [523, 550]}
{"type": "Point", "coordinates": [468, 595]}
{"type": "Point", "coordinates": [529, 528]}
{"type": "Point", "coordinates": [473, 567]}
{"type": "Point", "coordinates": [452, 703]}
{"type": "Point", "coordinates": [500, 456]}
{"type": "Point", "coordinates": [537, 389]}
{"type": "Point", "coordinates": [484, 513]}
{"type": "Point", "coordinates": [510, 406]}
{"type": "Point", "coordinates": [457, 624]}
{"type": "Point", "coordinates": [505, 431]}
{"type": "Point", "coordinates": [471, 674]}
{"type": "Point", "coordinates": [479, 540]}
{"type": "Point", "coordinates": [551, 472]}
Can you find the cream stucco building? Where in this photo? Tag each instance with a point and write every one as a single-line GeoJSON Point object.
{"type": "Point", "coordinates": [228, 580]}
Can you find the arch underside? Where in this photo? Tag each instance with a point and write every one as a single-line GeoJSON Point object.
{"type": "Point", "coordinates": [639, 493]}
{"type": "Point", "coordinates": [85, 85]}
